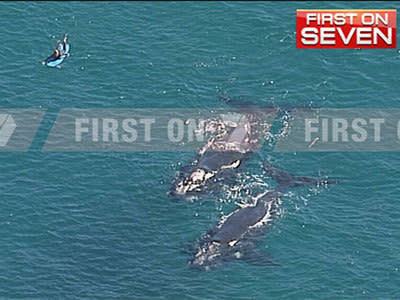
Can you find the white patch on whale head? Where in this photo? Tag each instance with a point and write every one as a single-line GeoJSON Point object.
{"type": "Point", "coordinates": [233, 243]}
{"type": "Point", "coordinates": [207, 254]}
{"type": "Point", "coordinates": [233, 165]}
{"type": "Point", "coordinates": [195, 180]}
{"type": "Point", "coordinates": [259, 197]}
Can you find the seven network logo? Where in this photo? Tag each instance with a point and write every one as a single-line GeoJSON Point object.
{"type": "Point", "coordinates": [346, 28]}
{"type": "Point", "coordinates": [7, 128]}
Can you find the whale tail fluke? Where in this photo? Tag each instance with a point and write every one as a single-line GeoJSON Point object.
{"type": "Point", "coordinates": [286, 180]}
{"type": "Point", "coordinates": [312, 181]}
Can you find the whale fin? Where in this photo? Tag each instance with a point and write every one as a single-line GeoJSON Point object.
{"type": "Point", "coordinates": [237, 102]}
{"type": "Point", "coordinates": [280, 176]}
{"type": "Point", "coordinates": [286, 180]}
{"type": "Point", "coordinates": [259, 258]}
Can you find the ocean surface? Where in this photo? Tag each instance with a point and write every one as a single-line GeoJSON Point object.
{"type": "Point", "coordinates": [87, 225]}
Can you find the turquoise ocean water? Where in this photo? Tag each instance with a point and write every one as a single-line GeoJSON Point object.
{"type": "Point", "coordinates": [100, 225]}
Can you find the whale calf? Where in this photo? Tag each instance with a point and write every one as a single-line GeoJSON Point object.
{"type": "Point", "coordinates": [236, 235]}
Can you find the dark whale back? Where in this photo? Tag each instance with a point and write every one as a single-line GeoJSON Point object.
{"type": "Point", "coordinates": [239, 222]}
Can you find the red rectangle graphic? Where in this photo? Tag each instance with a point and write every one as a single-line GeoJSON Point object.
{"type": "Point", "coordinates": [366, 28]}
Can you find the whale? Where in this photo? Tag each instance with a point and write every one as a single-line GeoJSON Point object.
{"type": "Point", "coordinates": [236, 235]}
{"type": "Point", "coordinates": [222, 156]}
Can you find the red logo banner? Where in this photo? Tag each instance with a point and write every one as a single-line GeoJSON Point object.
{"type": "Point", "coordinates": [366, 28]}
